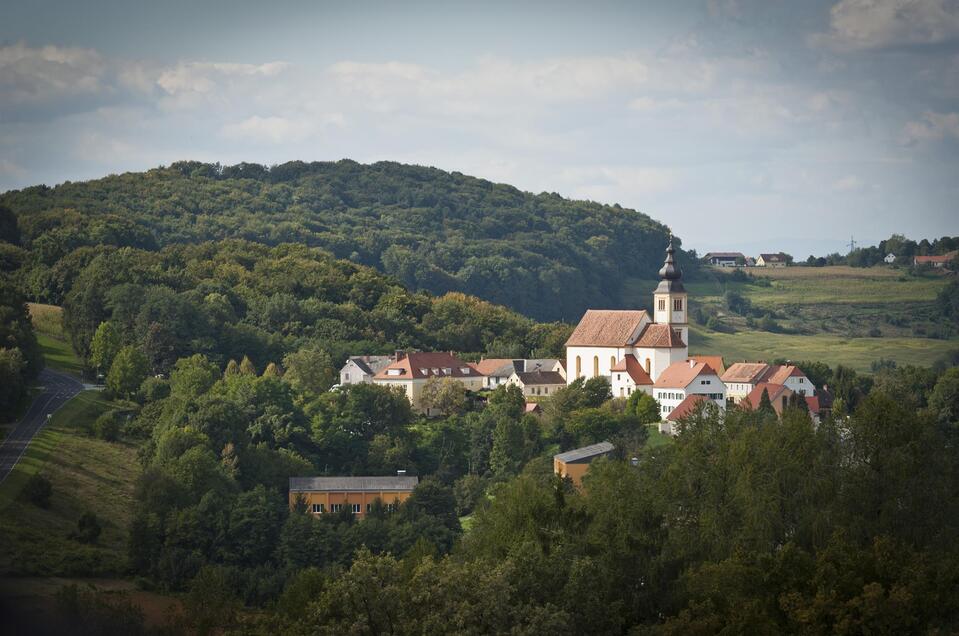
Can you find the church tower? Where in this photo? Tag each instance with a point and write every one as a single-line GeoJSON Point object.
{"type": "Point", "coordinates": [669, 300]}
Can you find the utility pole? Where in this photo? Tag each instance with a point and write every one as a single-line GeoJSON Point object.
{"type": "Point", "coordinates": [852, 243]}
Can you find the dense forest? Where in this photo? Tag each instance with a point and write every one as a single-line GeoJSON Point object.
{"type": "Point", "coordinates": [541, 255]}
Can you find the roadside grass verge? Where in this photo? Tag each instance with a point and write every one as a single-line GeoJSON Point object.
{"type": "Point", "coordinates": [87, 474]}
{"type": "Point", "coordinates": [54, 345]}
{"type": "Point", "coordinates": [47, 319]}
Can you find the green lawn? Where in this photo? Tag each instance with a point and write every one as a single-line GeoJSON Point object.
{"type": "Point", "coordinates": [86, 474]}
{"type": "Point", "coordinates": [858, 353]}
{"type": "Point", "coordinates": [656, 438]}
{"type": "Point", "coordinates": [59, 355]}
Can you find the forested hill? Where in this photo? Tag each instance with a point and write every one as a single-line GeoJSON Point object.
{"type": "Point", "coordinates": [542, 255]}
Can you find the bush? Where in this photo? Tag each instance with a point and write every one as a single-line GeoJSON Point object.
{"type": "Point", "coordinates": [88, 529]}
{"type": "Point", "coordinates": [875, 332]}
{"type": "Point", "coordinates": [38, 490]}
{"type": "Point", "coordinates": [468, 490]}
{"type": "Point", "coordinates": [107, 426]}
{"type": "Point", "coordinates": [153, 389]}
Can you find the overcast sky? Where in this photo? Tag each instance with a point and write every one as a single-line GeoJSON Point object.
{"type": "Point", "coordinates": [742, 125]}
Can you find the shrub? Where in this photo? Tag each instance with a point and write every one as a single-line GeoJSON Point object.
{"type": "Point", "coordinates": [875, 332]}
{"type": "Point", "coordinates": [88, 528]}
{"type": "Point", "coordinates": [38, 490]}
{"type": "Point", "coordinates": [107, 426]}
{"type": "Point", "coordinates": [153, 389]}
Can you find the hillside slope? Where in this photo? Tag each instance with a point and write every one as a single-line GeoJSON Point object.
{"type": "Point", "coordinates": [542, 255]}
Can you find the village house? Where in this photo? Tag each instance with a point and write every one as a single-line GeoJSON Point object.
{"type": "Point", "coordinates": [324, 495]}
{"type": "Point", "coordinates": [685, 378]}
{"type": "Point", "coordinates": [628, 375]}
{"type": "Point", "coordinates": [411, 371]}
{"type": "Point", "coordinates": [498, 371]}
{"type": "Point", "coordinates": [604, 337]}
{"type": "Point", "coordinates": [361, 369]}
{"type": "Point", "coordinates": [683, 410]}
{"type": "Point", "coordinates": [890, 258]}
{"type": "Point", "coordinates": [938, 262]}
{"type": "Point", "coordinates": [772, 260]}
{"type": "Point", "coordinates": [575, 463]}
{"type": "Point", "coordinates": [539, 383]}
{"type": "Point", "coordinates": [716, 362]}
{"type": "Point", "coordinates": [725, 259]}
{"type": "Point", "coordinates": [742, 377]}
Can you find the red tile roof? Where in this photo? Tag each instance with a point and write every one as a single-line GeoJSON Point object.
{"type": "Point", "coordinates": [779, 373]}
{"type": "Point", "coordinates": [813, 403]}
{"type": "Point", "coordinates": [747, 372]}
{"type": "Point", "coordinates": [686, 407]}
{"type": "Point", "coordinates": [776, 392]}
{"type": "Point", "coordinates": [678, 375]}
{"type": "Point", "coordinates": [630, 365]}
{"type": "Point", "coordinates": [424, 365]}
{"type": "Point", "coordinates": [716, 362]}
{"type": "Point", "coordinates": [490, 366]}
{"type": "Point", "coordinates": [943, 258]}
{"type": "Point", "coordinates": [607, 328]}
{"type": "Point", "coordinates": [659, 336]}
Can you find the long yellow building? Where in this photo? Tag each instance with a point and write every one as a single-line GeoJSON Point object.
{"type": "Point", "coordinates": [324, 495]}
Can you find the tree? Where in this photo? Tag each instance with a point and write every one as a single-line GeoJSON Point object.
{"type": "Point", "coordinates": [246, 366]}
{"type": "Point", "coordinates": [271, 371]}
{"type": "Point", "coordinates": [193, 376]}
{"type": "Point", "coordinates": [88, 528]}
{"type": "Point", "coordinates": [508, 399]}
{"type": "Point", "coordinates": [446, 395]}
{"type": "Point", "coordinates": [9, 230]}
{"type": "Point", "coordinates": [310, 370]}
{"type": "Point", "coordinates": [644, 406]}
{"type": "Point", "coordinates": [232, 368]}
{"type": "Point", "coordinates": [37, 490]}
{"type": "Point", "coordinates": [105, 345]}
{"type": "Point", "coordinates": [944, 399]}
{"type": "Point", "coordinates": [210, 603]}
{"type": "Point", "coordinates": [765, 404]}
{"type": "Point", "coordinates": [508, 451]}
{"type": "Point", "coordinates": [130, 367]}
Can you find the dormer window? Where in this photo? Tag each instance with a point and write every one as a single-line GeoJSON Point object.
{"type": "Point", "coordinates": [425, 371]}
{"type": "Point", "coordinates": [436, 371]}
{"type": "Point", "coordinates": [394, 372]}
{"type": "Point", "coordinates": [465, 370]}
{"type": "Point", "coordinates": [448, 371]}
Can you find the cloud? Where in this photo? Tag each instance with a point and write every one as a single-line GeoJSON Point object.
{"type": "Point", "coordinates": [609, 184]}
{"type": "Point", "coordinates": [849, 183]}
{"type": "Point", "coordinates": [203, 77]}
{"type": "Point", "coordinates": [931, 127]}
{"type": "Point", "coordinates": [873, 24]}
{"type": "Point", "coordinates": [280, 130]}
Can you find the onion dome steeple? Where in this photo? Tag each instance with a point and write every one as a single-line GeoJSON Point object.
{"type": "Point", "coordinates": [672, 276]}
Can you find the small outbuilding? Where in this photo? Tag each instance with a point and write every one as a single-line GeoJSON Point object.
{"type": "Point", "coordinates": [575, 463]}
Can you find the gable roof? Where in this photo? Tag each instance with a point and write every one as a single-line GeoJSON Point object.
{"type": "Point", "coordinates": [586, 452]}
{"type": "Point", "coordinates": [634, 369]}
{"type": "Point", "coordinates": [659, 336]}
{"type": "Point", "coordinates": [779, 373]}
{"type": "Point", "coordinates": [607, 328]}
{"type": "Point", "coordinates": [748, 372]}
{"type": "Point", "coordinates": [494, 367]}
{"type": "Point", "coordinates": [536, 378]}
{"type": "Point", "coordinates": [415, 366]}
{"type": "Point", "coordinates": [778, 256]}
{"type": "Point", "coordinates": [716, 362]}
{"type": "Point", "coordinates": [678, 375]}
{"type": "Point", "coordinates": [370, 364]}
{"type": "Point", "coordinates": [686, 407]}
{"type": "Point", "coordinates": [941, 258]}
{"type": "Point", "coordinates": [724, 255]}
{"type": "Point", "coordinates": [776, 391]}
{"type": "Point", "coordinates": [390, 482]}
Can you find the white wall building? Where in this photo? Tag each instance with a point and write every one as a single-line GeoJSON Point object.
{"type": "Point", "coordinates": [685, 378]}
{"type": "Point", "coordinates": [604, 337]}
{"type": "Point", "coordinates": [361, 369]}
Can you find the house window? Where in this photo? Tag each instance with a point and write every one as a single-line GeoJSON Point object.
{"type": "Point", "coordinates": [579, 366]}
{"type": "Point", "coordinates": [465, 370]}
{"type": "Point", "coordinates": [347, 377]}
{"type": "Point", "coordinates": [662, 304]}
{"type": "Point", "coordinates": [336, 507]}
{"type": "Point", "coordinates": [618, 377]}
{"type": "Point", "coordinates": [368, 508]}
{"type": "Point", "coordinates": [546, 390]}
{"type": "Point", "coordinates": [448, 371]}
{"type": "Point", "coordinates": [677, 304]}
{"type": "Point", "coordinates": [356, 508]}
{"type": "Point", "coordinates": [390, 507]}
{"type": "Point", "coordinates": [318, 509]}
{"type": "Point", "coordinates": [621, 392]}
{"type": "Point", "coordinates": [647, 365]}
{"type": "Point", "coordinates": [595, 366]}
{"type": "Point", "coordinates": [801, 380]}
{"type": "Point", "coordinates": [612, 361]}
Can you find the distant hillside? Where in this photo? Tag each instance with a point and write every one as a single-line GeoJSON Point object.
{"type": "Point", "coordinates": [542, 255]}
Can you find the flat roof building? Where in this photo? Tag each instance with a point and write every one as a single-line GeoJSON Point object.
{"type": "Point", "coordinates": [324, 495]}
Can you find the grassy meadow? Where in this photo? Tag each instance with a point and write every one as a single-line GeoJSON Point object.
{"type": "Point", "coordinates": [87, 474]}
{"type": "Point", "coordinates": [57, 352]}
{"type": "Point", "coordinates": [832, 314]}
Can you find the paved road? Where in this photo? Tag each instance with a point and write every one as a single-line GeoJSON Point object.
{"type": "Point", "coordinates": [57, 389]}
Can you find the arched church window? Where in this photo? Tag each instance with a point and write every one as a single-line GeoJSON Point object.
{"type": "Point", "coordinates": [647, 365]}
{"type": "Point", "coordinates": [595, 366]}
{"type": "Point", "coordinates": [612, 362]}
{"type": "Point", "coordinates": [579, 366]}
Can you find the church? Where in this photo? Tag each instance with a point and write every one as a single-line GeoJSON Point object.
{"type": "Point", "coordinates": [628, 346]}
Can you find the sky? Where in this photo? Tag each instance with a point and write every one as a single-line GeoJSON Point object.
{"type": "Point", "coordinates": [750, 126]}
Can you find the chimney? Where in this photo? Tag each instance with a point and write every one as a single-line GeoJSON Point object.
{"type": "Point", "coordinates": [401, 473]}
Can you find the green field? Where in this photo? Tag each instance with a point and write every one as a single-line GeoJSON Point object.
{"type": "Point", "coordinates": [87, 474]}
{"type": "Point", "coordinates": [56, 349]}
{"type": "Point", "coordinates": [823, 313]}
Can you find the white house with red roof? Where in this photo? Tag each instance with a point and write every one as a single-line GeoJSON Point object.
{"type": "Point", "coordinates": [411, 371]}
{"type": "Point", "coordinates": [628, 375]}
{"type": "Point", "coordinates": [604, 337]}
{"type": "Point", "coordinates": [685, 378]}
{"type": "Point", "coordinates": [742, 377]}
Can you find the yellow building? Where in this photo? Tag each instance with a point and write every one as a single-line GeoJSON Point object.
{"type": "Point", "coordinates": [324, 495]}
{"type": "Point", "coordinates": [411, 371]}
{"type": "Point", "coordinates": [575, 463]}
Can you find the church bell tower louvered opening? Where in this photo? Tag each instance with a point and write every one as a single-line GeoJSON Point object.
{"type": "Point", "coordinates": [670, 302]}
